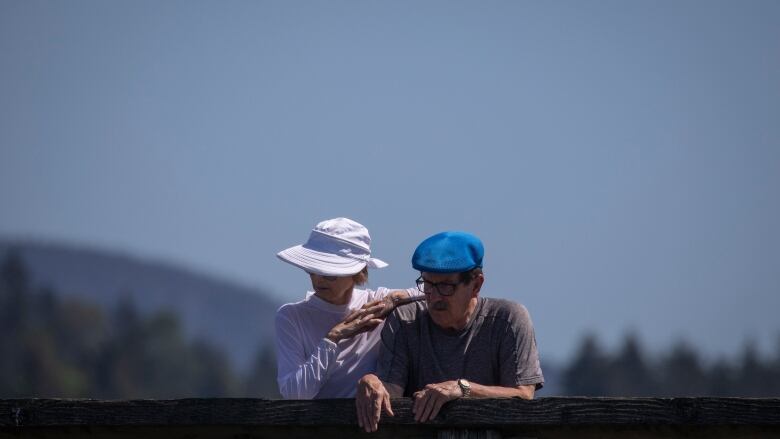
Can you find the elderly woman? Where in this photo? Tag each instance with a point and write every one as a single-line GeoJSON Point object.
{"type": "Point", "coordinates": [329, 340]}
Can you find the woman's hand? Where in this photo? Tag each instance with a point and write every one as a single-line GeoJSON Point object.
{"type": "Point", "coordinates": [368, 316]}
{"type": "Point", "coordinates": [396, 298]}
{"type": "Point", "coordinates": [357, 322]}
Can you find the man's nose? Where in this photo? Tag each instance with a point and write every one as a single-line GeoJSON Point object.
{"type": "Point", "coordinates": [434, 295]}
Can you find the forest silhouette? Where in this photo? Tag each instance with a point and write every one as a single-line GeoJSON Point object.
{"type": "Point", "coordinates": [67, 347]}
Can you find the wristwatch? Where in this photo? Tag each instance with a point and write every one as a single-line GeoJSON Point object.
{"type": "Point", "coordinates": [465, 387]}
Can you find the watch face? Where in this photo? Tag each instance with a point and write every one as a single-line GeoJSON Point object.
{"type": "Point", "coordinates": [465, 386]}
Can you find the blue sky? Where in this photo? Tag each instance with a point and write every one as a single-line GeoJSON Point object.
{"type": "Point", "coordinates": [620, 160]}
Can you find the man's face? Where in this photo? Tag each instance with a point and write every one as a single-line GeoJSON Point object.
{"type": "Point", "coordinates": [451, 311]}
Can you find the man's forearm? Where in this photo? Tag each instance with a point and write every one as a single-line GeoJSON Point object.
{"type": "Point", "coordinates": [429, 400]}
{"type": "Point", "coordinates": [480, 391]}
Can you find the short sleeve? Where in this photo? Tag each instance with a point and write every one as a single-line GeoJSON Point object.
{"type": "Point", "coordinates": [393, 363]}
{"type": "Point", "coordinates": [519, 358]}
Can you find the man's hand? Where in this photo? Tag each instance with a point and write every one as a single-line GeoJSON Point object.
{"type": "Point", "coordinates": [370, 399]}
{"type": "Point", "coordinates": [428, 401]}
{"type": "Point", "coordinates": [358, 321]}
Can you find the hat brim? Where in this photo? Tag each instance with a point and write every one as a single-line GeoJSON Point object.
{"type": "Point", "coordinates": [325, 264]}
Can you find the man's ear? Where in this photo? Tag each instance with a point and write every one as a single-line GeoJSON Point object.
{"type": "Point", "coordinates": [478, 281]}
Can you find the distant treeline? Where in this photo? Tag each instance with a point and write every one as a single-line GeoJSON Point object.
{"type": "Point", "coordinates": [679, 372]}
{"type": "Point", "coordinates": [51, 347]}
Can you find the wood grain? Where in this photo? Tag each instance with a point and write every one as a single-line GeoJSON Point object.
{"type": "Point", "coordinates": [341, 412]}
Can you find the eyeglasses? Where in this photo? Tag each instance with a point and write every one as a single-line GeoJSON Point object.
{"type": "Point", "coordinates": [443, 288]}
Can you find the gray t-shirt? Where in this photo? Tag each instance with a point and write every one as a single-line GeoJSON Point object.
{"type": "Point", "coordinates": [496, 348]}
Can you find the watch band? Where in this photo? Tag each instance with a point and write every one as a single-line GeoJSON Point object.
{"type": "Point", "coordinates": [465, 387]}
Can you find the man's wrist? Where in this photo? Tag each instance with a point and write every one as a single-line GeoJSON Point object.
{"type": "Point", "coordinates": [465, 387]}
{"type": "Point", "coordinates": [367, 377]}
{"type": "Point", "coordinates": [370, 380]}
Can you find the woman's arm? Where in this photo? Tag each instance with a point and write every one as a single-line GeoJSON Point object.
{"type": "Point", "coordinates": [298, 376]}
{"type": "Point", "coordinates": [302, 377]}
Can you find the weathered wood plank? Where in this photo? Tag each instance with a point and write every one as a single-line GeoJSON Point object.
{"type": "Point", "coordinates": [387, 432]}
{"type": "Point", "coordinates": [615, 411]}
{"type": "Point", "coordinates": [463, 433]}
{"type": "Point", "coordinates": [462, 413]}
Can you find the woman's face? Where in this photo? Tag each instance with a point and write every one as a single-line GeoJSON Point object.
{"type": "Point", "coordinates": [333, 289]}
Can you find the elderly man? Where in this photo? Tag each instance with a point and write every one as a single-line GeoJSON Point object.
{"type": "Point", "coordinates": [453, 345]}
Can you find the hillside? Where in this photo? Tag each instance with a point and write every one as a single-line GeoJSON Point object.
{"type": "Point", "coordinates": [236, 318]}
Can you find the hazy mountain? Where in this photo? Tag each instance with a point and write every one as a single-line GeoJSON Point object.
{"type": "Point", "coordinates": [236, 318]}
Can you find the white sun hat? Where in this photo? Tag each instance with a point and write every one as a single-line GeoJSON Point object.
{"type": "Point", "coordinates": [336, 247]}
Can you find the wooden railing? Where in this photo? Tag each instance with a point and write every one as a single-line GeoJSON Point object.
{"type": "Point", "coordinates": [323, 419]}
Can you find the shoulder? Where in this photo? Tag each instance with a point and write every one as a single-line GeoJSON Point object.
{"type": "Point", "coordinates": [360, 297]}
{"type": "Point", "coordinates": [382, 292]}
{"type": "Point", "coordinates": [290, 311]}
{"type": "Point", "coordinates": [371, 295]}
{"type": "Point", "coordinates": [506, 310]}
{"type": "Point", "coordinates": [291, 307]}
{"type": "Point", "coordinates": [410, 313]}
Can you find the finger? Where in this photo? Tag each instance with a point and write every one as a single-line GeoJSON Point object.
{"type": "Point", "coordinates": [427, 407]}
{"type": "Point", "coordinates": [371, 323]}
{"type": "Point", "coordinates": [438, 403]}
{"type": "Point", "coordinates": [367, 422]}
{"type": "Point", "coordinates": [376, 308]}
{"type": "Point", "coordinates": [359, 410]}
{"type": "Point", "coordinates": [384, 312]}
{"type": "Point", "coordinates": [362, 402]}
{"type": "Point", "coordinates": [430, 405]}
{"type": "Point", "coordinates": [417, 397]}
{"type": "Point", "coordinates": [359, 315]}
{"type": "Point", "coordinates": [422, 414]}
{"type": "Point", "coordinates": [365, 414]}
{"type": "Point", "coordinates": [364, 321]}
{"type": "Point", "coordinates": [404, 300]}
{"type": "Point", "coordinates": [386, 404]}
{"type": "Point", "coordinates": [373, 309]}
{"type": "Point", "coordinates": [360, 326]}
{"type": "Point", "coordinates": [352, 316]}
{"type": "Point", "coordinates": [422, 406]}
{"type": "Point", "coordinates": [372, 303]}
{"type": "Point", "coordinates": [364, 318]}
{"type": "Point", "coordinates": [377, 413]}
{"type": "Point", "coordinates": [359, 319]}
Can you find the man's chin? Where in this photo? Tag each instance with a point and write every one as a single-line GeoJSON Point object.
{"type": "Point", "coordinates": [439, 317]}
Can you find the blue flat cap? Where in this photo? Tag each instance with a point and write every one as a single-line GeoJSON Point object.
{"type": "Point", "coordinates": [448, 252]}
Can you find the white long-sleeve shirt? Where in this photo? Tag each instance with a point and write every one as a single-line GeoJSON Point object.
{"type": "Point", "coordinates": [311, 366]}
